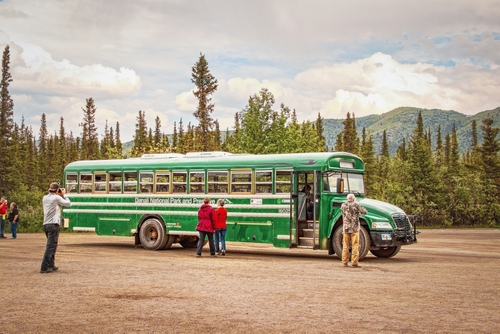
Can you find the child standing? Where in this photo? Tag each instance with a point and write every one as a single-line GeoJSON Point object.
{"type": "Point", "coordinates": [220, 227]}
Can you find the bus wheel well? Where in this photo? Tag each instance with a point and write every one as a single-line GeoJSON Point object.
{"type": "Point", "coordinates": [337, 237]}
{"type": "Point", "coordinates": [152, 233]}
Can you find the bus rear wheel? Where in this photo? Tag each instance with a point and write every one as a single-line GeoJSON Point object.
{"type": "Point", "coordinates": [364, 243]}
{"type": "Point", "coordinates": [152, 234]}
{"type": "Point", "coordinates": [386, 252]}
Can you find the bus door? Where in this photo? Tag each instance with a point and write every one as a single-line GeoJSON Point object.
{"type": "Point", "coordinates": [306, 211]}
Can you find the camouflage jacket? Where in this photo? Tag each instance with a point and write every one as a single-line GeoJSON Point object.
{"type": "Point", "coordinates": [350, 214]}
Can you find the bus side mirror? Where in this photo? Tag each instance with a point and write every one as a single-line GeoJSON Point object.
{"type": "Point", "coordinates": [340, 186]}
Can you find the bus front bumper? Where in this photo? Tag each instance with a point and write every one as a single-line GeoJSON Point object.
{"type": "Point", "coordinates": [393, 238]}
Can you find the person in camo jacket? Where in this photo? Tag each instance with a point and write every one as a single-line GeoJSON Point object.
{"type": "Point", "coordinates": [350, 215]}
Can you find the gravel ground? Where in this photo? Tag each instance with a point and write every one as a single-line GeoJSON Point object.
{"type": "Point", "coordinates": [447, 283]}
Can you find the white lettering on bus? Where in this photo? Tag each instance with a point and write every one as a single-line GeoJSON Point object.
{"type": "Point", "coordinates": [142, 200]}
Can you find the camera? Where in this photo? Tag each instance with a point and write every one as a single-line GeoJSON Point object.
{"type": "Point", "coordinates": [60, 190]}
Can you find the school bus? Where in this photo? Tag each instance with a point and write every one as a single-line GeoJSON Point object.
{"type": "Point", "coordinates": [155, 199]}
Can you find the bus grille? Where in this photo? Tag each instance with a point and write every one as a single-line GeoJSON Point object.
{"type": "Point", "coordinates": [402, 222]}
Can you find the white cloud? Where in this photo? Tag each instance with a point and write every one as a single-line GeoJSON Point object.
{"type": "Point", "coordinates": [37, 71]}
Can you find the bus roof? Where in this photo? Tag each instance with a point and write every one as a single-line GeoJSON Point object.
{"type": "Point", "coordinates": [221, 160]}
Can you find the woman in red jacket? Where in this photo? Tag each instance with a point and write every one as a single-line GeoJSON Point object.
{"type": "Point", "coordinates": [220, 227]}
{"type": "Point", "coordinates": [206, 226]}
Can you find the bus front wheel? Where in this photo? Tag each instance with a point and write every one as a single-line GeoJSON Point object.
{"type": "Point", "coordinates": [386, 252]}
{"type": "Point", "coordinates": [364, 243]}
{"type": "Point", "coordinates": [152, 234]}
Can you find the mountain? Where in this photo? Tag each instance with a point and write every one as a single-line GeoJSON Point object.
{"type": "Point", "coordinates": [400, 123]}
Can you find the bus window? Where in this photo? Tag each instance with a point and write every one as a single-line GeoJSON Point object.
{"type": "Point", "coordinates": [115, 182]}
{"type": "Point", "coordinates": [330, 181]}
{"type": "Point", "coordinates": [163, 182]}
{"type": "Point", "coordinates": [100, 182]}
{"type": "Point", "coordinates": [263, 182]}
{"type": "Point", "coordinates": [283, 179]}
{"type": "Point", "coordinates": [130, 182]}
{"type": "Point", "coordinates": [72, 183]}
{"type": "Point", "coordinates": [85, 183]}
{"type": "Point", "coordinates": [241, 181]}
{"type": "Point", "coordinates": [146, 182]}
{"type": "Point", "coordinates": [197, 182]}
{"type": "Point", "coordinates": [179, 182]}
{"type": "Point", "coordinates": [217, 182]}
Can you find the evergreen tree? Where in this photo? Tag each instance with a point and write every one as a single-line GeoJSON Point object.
{"type": "Point", "coordinates": [401, 152]}
{"type": "Point", "coordinates": [6, 122]}
{"type": "Point", "coordinates": [367, 153]}
{"type": "Point", "coordinates": [206, 85]}
{"type": "Point", "coordinates": [384, 150]}
{"type": "Point", "coordinates": [157, 135]}
{"type": "Point", "coordinates": [118, 142]}
{"type": "Point", "coordinates": [90, 138]}
{"type": "Point", "coordinates": [141, 135]}
{"type": "Point", "coordinates": [423, 176]}
{"type": "Point", "coordinates": [439, 154]}
{"type": "Point", "coordinates": [350, 138]}
{"type": "Point", "coordinates": [62, 160]}
{"type": "Point", "coordinates": [43, 154]}
{"type": "Point", "coordinates": [321, 141]}
{"type": "Point", "coordinates": [490, 162]}
{"type": "Point", "coordinates": [174, 138]}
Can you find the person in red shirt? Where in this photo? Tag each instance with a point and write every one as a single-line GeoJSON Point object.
{"type": "Point", "coordinates": [3, 213]}
{"type": "Point", "coordinates": [206, 226]}
{"type": "Point", "coordinates": [220, 227]}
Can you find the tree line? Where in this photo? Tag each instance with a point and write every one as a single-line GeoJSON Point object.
{"type": "Point", "coordinates": [432, 180]}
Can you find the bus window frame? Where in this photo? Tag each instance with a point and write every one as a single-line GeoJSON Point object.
{"type": "Point", "coordinates": [98, 182]}
{"type": "Point", "coordinates": [88, 177]}
{"type": "Point", "coordinates": [241, 171]}
{"type": "Point", "coordinates": [288, 173]}
{"type": "Point", "coordinates": [113, 183]}
{"type": "Point", "coordinates": [158, 185]}
{"type": "Point", "coordinates": [197, 183]}
{"type": "Point", "coordinates": [128, 183]}
{"type": "Point", "coordinates": [146, 185]}
{"type": "Point", "coordinates": [71, 187]}
{"type": "Point", "coordinates": [268, 184]}
{"type": "Point", "coordinates": [179, 187]}
{"type": "Point", "coordinates": [217, 184]}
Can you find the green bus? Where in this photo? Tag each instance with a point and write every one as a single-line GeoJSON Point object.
{"type": "Point", "coordinates": [155, 199]}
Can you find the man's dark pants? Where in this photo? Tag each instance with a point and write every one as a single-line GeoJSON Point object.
{"type": "Point", "coordinates": [52, 233]}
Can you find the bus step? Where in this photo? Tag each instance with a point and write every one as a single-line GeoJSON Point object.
{"type": "Point", "coordinates": [309, 233]}
{"type": "Point", "coordinates": [305, 241]}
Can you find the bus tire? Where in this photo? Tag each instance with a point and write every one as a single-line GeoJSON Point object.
{"type": "Point", "coordinates": [386, 252]}
{"type": "Point", "coordinates": [364, 243]}
{"type": "Point", "coordinates": [170, 241]}
{"type": "Point", "coordinates": [189, 242]}
{"type": "Point", "coordinates": [152, 234]}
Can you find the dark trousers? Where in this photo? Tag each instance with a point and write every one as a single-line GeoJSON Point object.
{"type": "Point", "coordinates": [201, 241]}
{"type": "Point", "coordinates": [52, 233]}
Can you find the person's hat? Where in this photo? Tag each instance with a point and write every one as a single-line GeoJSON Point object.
{"type": "Point", "coordinates": [54, 186]}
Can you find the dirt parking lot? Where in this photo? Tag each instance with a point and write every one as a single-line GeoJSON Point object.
{"type": "Point", "coordinates": [447, 283]}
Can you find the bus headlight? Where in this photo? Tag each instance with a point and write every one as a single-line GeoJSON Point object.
{"type": "Point", "coordinates": [381, 225]}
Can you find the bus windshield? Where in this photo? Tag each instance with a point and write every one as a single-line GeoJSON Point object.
{"type": "Point", "coordinates": [353, 183]}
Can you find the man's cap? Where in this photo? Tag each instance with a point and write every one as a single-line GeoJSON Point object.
{"type": "Point", "coordinates": [54, 186]}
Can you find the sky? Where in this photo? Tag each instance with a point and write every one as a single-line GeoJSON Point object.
{"type": "Point", "coordinates": [329, 57]}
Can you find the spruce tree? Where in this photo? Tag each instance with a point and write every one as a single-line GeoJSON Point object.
{"type": "Point", "coordinates": [90, 138]}
{"type": "Point", "coordinates": [206, 85]}
{"type": "Point", "coordinates": [6, 122]}
{"type": "Point", "coordinates": [141, 135]}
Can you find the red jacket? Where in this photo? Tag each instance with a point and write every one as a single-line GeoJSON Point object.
{"type": "Point", "coordinates": [3, 208]}
{"type": "Point", "coordinates": [206, 219]}
{"type": "Point", "coordinates": [220, 217]}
